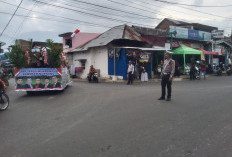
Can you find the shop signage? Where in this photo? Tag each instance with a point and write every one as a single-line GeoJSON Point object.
{"type": "Point", "coordinates": [180, 32]}
{"type": "Point", "coordinates": [206, 36]}
{"type": "Point", "coordinates": [193, 34]}
{"type": "Point", "coordinates": [144, 58]}
{"type": "Point", "coordinates": [219, 50]}
{"type": "Point", "coordinates": [217, 34]}
{"type": "Point", "coordinates": [190, 33]}
{"type": "Point", "coordinates": [111, 53]}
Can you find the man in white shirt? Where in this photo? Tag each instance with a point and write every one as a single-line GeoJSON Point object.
{"type": "Point", "coordinates": [130, 73]}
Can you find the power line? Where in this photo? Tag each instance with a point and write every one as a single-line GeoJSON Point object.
{"type": "Point", "coordinates": [159, 6]}
{"type": "Point", "coordinates": [205, 13]}
{"type": "Point", "coordinates": [193, 5]}
{"type": "Point", "coordinates": [109, 8]}
{"type": "Point", "coordinates": [144, 7]}
{"type": "Point", "coordinates": [90, 14]}
{"type": "Point", "coordinates": [97, 10]}
{"type": "Point", "coordinates": [120, 10]}
{"type": "Point", "coordinates": [123, 4]}
{"type": "Point", "coordinates": [52, 19]}
{"type": "Point", "coordinates": [11, 18]}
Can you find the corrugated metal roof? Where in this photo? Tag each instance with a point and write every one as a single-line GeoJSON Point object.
{"type": "Point", "coordinates": [155, 48]}
{"type": "Point", "coordinates": [150, 31]}
{"type": "Point", "coordinates": [118, 32]}
{"type": "Point", "coordinates": [178, 22]}
{"type": "Point", "coordinates": [65, 34]}
{"type": "Point", "coordinates": [221, 42]}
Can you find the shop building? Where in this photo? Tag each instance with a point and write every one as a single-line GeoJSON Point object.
{"type": "Point", "coordinates": [120, 41]}
{"type": "Point", "coordinates": [194, 35]}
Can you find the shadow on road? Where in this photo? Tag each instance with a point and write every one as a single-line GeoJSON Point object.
{"type": "Point", "coordinates": [45, 93]}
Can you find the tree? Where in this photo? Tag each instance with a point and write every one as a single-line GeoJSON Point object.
{"type": "Point", "coordinates": [17, 57]}
{"type": "Point", "coordinates": [53, 54]}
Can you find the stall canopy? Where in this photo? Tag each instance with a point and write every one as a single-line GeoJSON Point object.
{"type": "Point", "coordinates": [184, 50]}
{"type": "Point", "coordinates": [208, 52]}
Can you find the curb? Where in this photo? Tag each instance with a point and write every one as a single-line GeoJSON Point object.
{"type": "Point", "coordinates": [123, 81]}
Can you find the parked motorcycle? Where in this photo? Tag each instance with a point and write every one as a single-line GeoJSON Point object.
{"type": "Point", "coordinates": [197, 72]}
{"type": "Point", "coordinates": [4, 99]}
{"type": "Point", "coordinates": [228, 70]}
{"type": "Point", "coordinates": [218, 71]}
{"type": "Point", "coordinates": [209, 69]}
{"type": "Point", "coordinates": [93, 78]}
{"type": "Point", "coordinates": [187, 69]}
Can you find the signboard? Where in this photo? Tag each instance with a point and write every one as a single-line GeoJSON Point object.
{"type": "Point", "coordinates": [38, 79]}
{"type": "Point", "coordinates": [206, 36]}
{"type": "Point", "coordinates": [144, 58]}
{"type": "Point", "coordinates": [217, 34]}
{"type": "Point", "coordinates": [219, 50]}
{"type": "Point", "coordinates": [190, 34]}
{"type": "Point", "coordinates": [111, 53]}
{"type": "Point", "coordinates": [180, 32]}
{"type": "Point", "coordinates": [193, 34]}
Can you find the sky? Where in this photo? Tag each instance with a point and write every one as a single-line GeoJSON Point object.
{"type": "Point", "coordinates": [46, 19]}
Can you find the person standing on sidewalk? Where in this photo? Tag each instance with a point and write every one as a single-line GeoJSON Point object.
{"type": "Point", "coordinates": [203, 68]}
{"type": "Point", "coordinates": [167, 76]}
{"type": "Point", "coordinates": [130, 73]}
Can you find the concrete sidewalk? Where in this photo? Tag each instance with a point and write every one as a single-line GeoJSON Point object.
{"type": "Point", "coordinates": [181, 78]}
{"type": "Point", "coordinates": [104, 80]}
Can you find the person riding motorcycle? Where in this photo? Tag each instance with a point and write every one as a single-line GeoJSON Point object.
{"type": "Point", "coordinates": [91, 73]}
{"type": "Point", "coordinates": [4, 74]}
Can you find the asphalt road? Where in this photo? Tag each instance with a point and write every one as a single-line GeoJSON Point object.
{"type": "Point", "coordinates": [117, 120]}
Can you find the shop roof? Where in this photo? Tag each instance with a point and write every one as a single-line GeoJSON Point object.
{"type": "Point", "coordinates": [65, 34]}
{"type": "Point", "coordinates": [201, 27]}
{"type": "Point", "coordinates": [196, 26]}
{"type": "Point", "coordinates": [150, 31]}
{"type": "Point", "coordinates": [154, 48]}
{"type": "Point", "coordinates": [221, 42]}
{"type": "Point", "coordinates": [118, 32]}
{"type": "Point", "coordinates": [81, 39]}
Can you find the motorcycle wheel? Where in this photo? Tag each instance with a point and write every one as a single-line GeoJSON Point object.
{"type": "Point", "coordinates": [4, 102]}
{"type": "Point", "coordinates": [96, 80]}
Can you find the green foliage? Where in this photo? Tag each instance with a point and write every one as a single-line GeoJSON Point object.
{"type": "Point", "coordinates": [17, 57]}
{"type": "Point", "coordinates": [53, 54]}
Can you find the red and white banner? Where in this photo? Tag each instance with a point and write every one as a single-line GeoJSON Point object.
{"type": "Point", "coordinates": [45, 56]}
{"type": "Point", "coordinates": [64, 55]}
{"type": "Point", "coordinates": [75, 32]}
{"type": "Point", "coordinates": [28, 57]}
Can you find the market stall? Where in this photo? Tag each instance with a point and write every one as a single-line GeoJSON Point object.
{"type": "Point", "coordinates": [184, 50]}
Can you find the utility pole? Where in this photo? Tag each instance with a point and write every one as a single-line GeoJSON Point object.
{"type": "Point", "coordinates": [171, 34]}
{"type": "Point", "coordinates": [211, 58]}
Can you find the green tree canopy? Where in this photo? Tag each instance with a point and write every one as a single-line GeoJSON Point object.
{"type": "Point", "coordinates": [17, 57]}
{"type": "Point", "coordinates": [53, 54]}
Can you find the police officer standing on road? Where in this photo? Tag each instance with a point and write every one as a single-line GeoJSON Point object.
{"type": "Point", "coordinates": [167, 76]}
{"type": "Point", "coordinates": [130, 73]}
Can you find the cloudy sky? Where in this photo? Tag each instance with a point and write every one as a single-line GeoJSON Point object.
{"type": "Point", "coordinates": [43, 19]}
